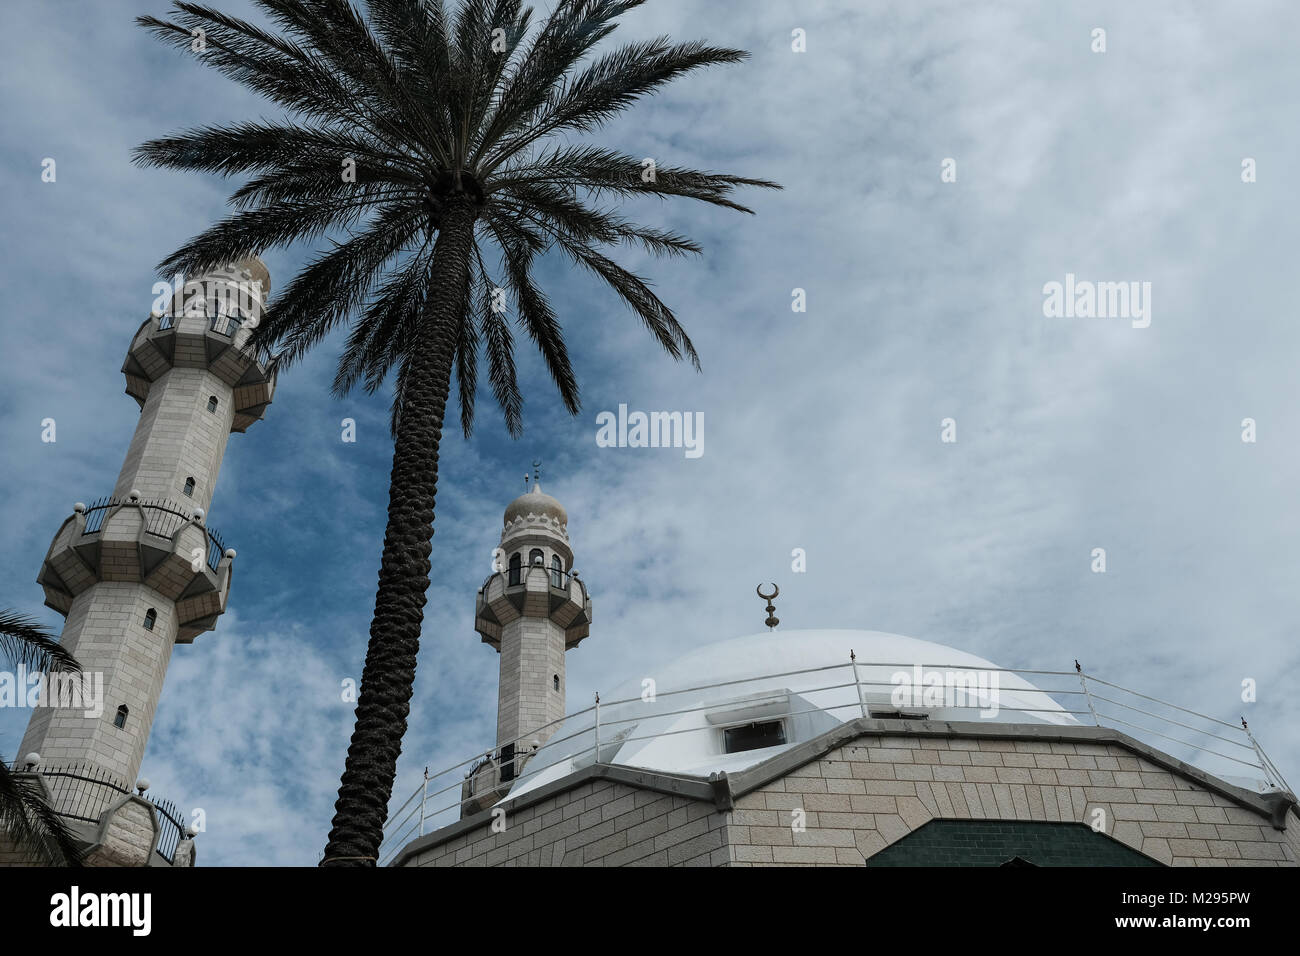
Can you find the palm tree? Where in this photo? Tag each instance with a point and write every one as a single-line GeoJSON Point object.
{"type": "Point", "coordinates": [438, 140]}
{"type": "Point", "coordinates": [25, 817]}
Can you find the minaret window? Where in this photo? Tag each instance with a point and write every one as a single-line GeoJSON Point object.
{"type": "Point", "coordinates": [189, 487]}
{"type": "Point", "coordinates": [120, 719]}
{"type": "Point", "coordinates": [557, 569]}
{"type": "Point", "coordinates": [212, 403]}
{"type": "Point", "coordinates": [535, 556]}
{"type": "Point", "coordinates": [150, 616]}
{"type": "Point", "coordinates": [555, 680]}
{"type": "Point", "coordinates": [515, 563]}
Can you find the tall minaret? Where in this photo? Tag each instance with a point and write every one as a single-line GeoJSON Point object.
{"type": "Point", "coordinates": [142, 570]}
{"type": "Point", "coordinates": [532, 610]}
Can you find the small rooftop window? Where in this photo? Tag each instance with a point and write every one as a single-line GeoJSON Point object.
{"type": "Point", "coordinates": [770, 733]}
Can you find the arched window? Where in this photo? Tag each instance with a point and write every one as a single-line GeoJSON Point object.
{"type": "Point", "coordinates": [189, 487]}
{"type": "Point", "coordinates": [212, 403]}
{"type": "Point", "coordinates": [557, 567]}
{"type": "Point", "coordinates": [515, 563]}
{"type": "Point", "coordinates": [120, 719]}
{"type": "Point", "coordinates": [555, 679]}
{"type": "Point", "coordinates": [150, 616]}
{"type": "Point", "coordinates": [535, 556]}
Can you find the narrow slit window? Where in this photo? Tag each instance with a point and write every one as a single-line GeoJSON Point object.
{"type": "Point", "coordinates": [516, 562]}
{"type": "Point", "coordinates": [555, 679]}
{"type": "Point", "coordinates": [189, 487]}
{"type": "Point", "coordinates": [557, 572]}
{"type": "Point", "coordinates": [150, 616]}
{"type": "Point", "coordinates": [120, 720]}
{"type": "Point", "coordinates": [212, 403]}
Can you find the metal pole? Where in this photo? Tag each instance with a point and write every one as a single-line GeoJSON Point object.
{"type": "Point", "coordinates": [857, 686]}
{"type": "Point", "coordinates": [1263, 761]}
{"type": "Point", "coordinates": [597, 757]}
{"type": "Point", "coordinates": [424, 794]}
{"type": "Point", "coordinates": [1083, 681]}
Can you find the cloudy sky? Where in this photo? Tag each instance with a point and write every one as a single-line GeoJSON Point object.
{"type": "Point", "coordinates": [822, 428]}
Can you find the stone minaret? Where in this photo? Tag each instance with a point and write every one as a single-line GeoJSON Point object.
{"type": "Point", "coordinates": [532, 610]}
{"type": "Point", "coordinates": [142, 570]}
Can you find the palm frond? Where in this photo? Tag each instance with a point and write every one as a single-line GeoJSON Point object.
{"type": "Point", "coordinates": [25, 642]}
{"type": "Point", "coordinates": [33, 824]}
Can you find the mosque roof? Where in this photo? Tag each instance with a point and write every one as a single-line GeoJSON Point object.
{"type": "Point", "coordinates": [675, 718]}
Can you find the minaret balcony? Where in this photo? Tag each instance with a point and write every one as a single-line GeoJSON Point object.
{"type": "Point", "coordinates": [161, 544]}
{"type": "Point", "coordinates": [534, 591]}
{"type": "Point", "coordinates": [215, 343]}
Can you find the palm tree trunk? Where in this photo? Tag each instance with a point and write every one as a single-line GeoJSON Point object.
{"type": "Point", "coordinates": [389, 675]}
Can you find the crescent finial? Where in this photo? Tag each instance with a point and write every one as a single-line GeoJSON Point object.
{"type": "Point", "coordinates": [772, 620]}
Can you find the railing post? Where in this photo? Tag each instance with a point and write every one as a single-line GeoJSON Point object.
{"type": "Point", "coordinates": [1083, 681]}
{"type": "Point", "coordinates": [857, 685]}
{"type": "Point", "coordinates": [424, 795]}
{"type": "Point", "coordinates": [1263, 760]}
{"type": "Point", "coordinates": [597, 757]}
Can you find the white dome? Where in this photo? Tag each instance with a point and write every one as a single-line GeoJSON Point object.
{"type": "Point", "coordinates": [805, 679]}
{"type": "Point", "coordinates": [535, 502]}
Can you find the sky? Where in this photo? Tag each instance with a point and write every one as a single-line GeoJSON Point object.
{"type": "Point", "coordinates": [822, 428]}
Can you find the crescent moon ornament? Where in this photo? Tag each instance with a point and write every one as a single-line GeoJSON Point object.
{"type": "Point", "coordinates": [772, 621]}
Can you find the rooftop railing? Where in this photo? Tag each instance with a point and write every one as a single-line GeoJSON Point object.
{"type": "Point", "coordinates": [1227, 750]}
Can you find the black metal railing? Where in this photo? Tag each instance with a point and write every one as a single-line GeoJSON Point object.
{"type": "Point", "coordinates": [83, 792]}
{"type": "Point", "coordinates": [216, 548]}
{"type": "Point", "coordinates": [162, 519]}
{"type": "Point", "coordinates": [171, 828]}
{"type": "Point", "coordinates": [226, 325]}
{"type": "Point", "coordinates": [515, 577]}
{"type": "Point", "coordinates": [96, 512]}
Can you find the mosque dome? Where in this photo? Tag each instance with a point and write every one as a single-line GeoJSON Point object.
{"type": "Point", "coordinates": [257, 271]}
{"type": "Point", "coordinates": [536, 502]}
{"type": "Point", "coordinates": [802, 679]}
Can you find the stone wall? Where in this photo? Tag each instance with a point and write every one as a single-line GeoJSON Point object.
{"type": "Point", "coordinates": [597, 823]}
{"type": "Point", "coordinates": [129, 836]}
{"type": "Point", "coordinates": [105, 631]}
{"type": "Point", "coordinates": [859, 798]}
{"type": "Point", "coordinates": [855, 799]}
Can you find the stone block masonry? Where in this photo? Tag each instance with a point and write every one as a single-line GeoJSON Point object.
{"type": "Point", "coordinates": [858, 793]}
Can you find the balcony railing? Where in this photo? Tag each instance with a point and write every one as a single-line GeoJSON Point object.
{"type": "Point", "coordinates": [516, 577]}
{"type": "Point", "coordinates": [82, 792]}
{"type": "Point", "coordinates": [589, 736]}
{"type": "Point", "coordinates": [162, 518]}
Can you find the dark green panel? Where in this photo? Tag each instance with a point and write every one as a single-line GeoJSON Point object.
{"type": "Point", "coordinates": [1015, 842]}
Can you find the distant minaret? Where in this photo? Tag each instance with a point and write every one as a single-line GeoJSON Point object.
{"type": "Point", "coordinates": [141, 570]}
{"type": "Point", "coordinates": [532, 610]}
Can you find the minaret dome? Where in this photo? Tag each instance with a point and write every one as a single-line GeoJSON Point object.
{"type": "Point", "coordinates": [536, 502]}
